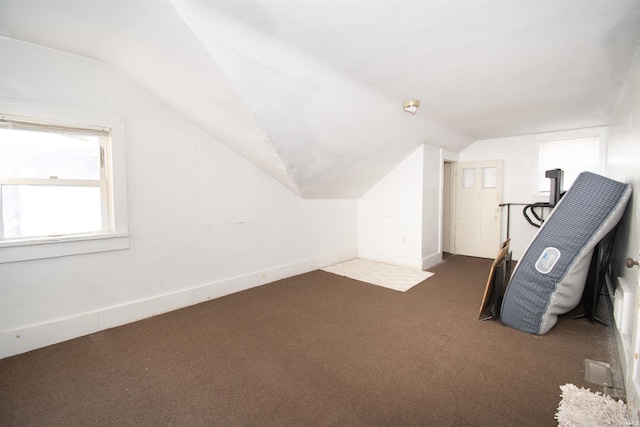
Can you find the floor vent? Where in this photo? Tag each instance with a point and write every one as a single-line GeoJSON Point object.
{"type": "Point", "coordinates": [598, 373]}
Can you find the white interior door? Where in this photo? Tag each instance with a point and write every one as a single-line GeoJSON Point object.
{"type": "Point", "coordinates": [477, 212]}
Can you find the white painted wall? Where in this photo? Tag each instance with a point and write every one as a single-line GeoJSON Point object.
{"type": "Point", "coordinates": [399, 218]}
{"type": "Point", "coordinates": [519, 155]}
{"type": "Point", "coordinates": [432, 184]}
{"type": "Point", "coordinates": [203, 221]}
{"type": "Point", "coordinates": [390, 216]}
{"type": "Point", "coordinates": [623, 164]}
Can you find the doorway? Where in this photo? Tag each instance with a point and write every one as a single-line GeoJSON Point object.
{"type": "Point", "coordinates": [476, 220]}
{"type": "Point", "coordinates": [447, 207]}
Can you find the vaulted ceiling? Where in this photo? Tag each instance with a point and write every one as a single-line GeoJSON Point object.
{"type": "Point", "coordinates": [311, 91]}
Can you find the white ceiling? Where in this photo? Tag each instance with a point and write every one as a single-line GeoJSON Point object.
{"type": "Point", "coordinates": [311, 90]}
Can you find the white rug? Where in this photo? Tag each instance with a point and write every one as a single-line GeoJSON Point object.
{"type": "Point", "coordinates": [584, 408]}
{"type": "Point", "coordinates": [377, 273]}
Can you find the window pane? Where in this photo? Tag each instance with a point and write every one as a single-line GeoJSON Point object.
{"type": "Point", "coordinates": [468, 178]}
{"type": "Point", "coordinates": [489, 177]}
{"type": "Point", "coordinates": [35, 154]}
{"type": "Point", "coordinates": [573, 156]}
{"type": "Point", "coordinates": [29, 211]}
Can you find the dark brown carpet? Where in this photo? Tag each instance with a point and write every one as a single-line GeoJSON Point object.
{"type": "Point", "coordinates": [316, 349]}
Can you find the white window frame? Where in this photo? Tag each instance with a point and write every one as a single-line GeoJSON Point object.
{"type": "Point", "coordinates": [598, 132]}
{"type": "Point", "coordinates": [116, 234]}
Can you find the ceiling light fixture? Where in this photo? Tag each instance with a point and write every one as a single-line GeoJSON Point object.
{"type": "Point", "coordinates": [411, 106]}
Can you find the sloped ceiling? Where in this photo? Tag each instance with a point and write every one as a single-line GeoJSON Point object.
{"type": "Point", "coordinates": [311, 90]}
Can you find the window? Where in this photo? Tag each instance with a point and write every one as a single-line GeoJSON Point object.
{"type": "Point", "coordinates": [489, 177]}
{"type": "Point", "coordinates": [468, 178]}
{"type": "Point", "coordinates": [56, 185]}
{"type": "Point", "coordinates": [573, 155]}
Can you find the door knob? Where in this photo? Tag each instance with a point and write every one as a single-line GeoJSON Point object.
{"type": "Point", "coordinates": [630, 263]}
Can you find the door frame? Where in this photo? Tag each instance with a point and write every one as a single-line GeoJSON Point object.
{"type": "Point", "coordinates": [448, 209]}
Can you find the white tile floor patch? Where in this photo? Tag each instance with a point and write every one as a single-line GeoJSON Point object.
{"type": "Point", "coordinates": [390, 276]}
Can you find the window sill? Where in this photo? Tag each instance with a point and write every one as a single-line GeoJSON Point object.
{"type": "Point", "coordinates": [53, 247]}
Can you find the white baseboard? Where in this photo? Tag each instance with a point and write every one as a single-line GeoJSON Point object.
{"type": "Point", "coordinates": [390, 259]}
{"type": "Point", "coordinates": [31, 337]}
{"type": "Point", "coordinates": [21, 340]}
{"type": "Point", "coordinates": [418, 264]}
{"type": "Point", "coordinates": [431, 260]}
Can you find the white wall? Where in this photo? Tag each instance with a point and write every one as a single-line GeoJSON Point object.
{"type": "Point", "coordinates": [399, 218]}
{"type": "Point", "coordinates": [519, 177]}
{"type": "Point", "coordinates": [432, 183]}
{"type": "Point", "coordinates": [623, 164]}
{"type": "Point", "coordinates": [203, 221]}
{"type": "Point", "coordinates": [390, 216]}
